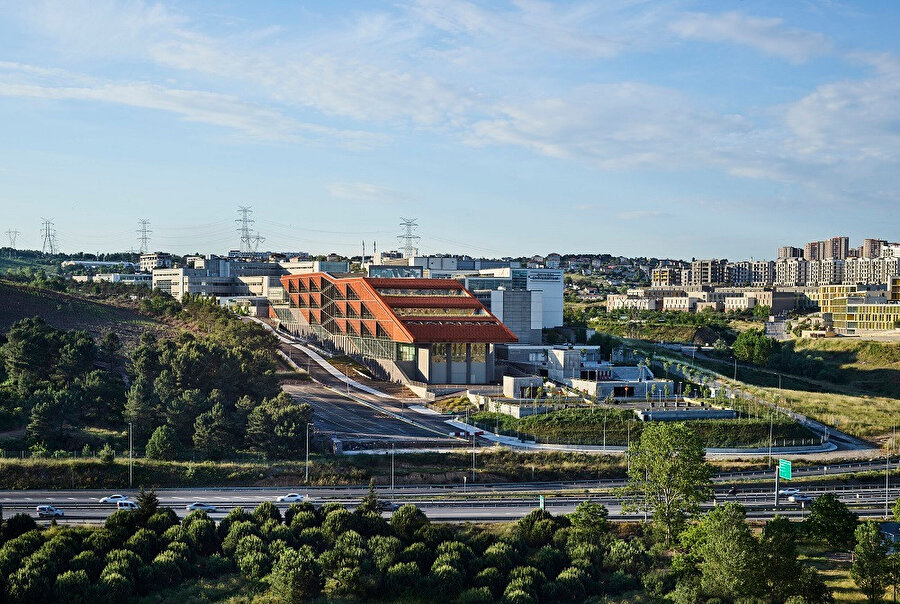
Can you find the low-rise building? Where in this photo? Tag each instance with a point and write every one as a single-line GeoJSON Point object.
{"type": "Point", "coordinates": [154, 260]}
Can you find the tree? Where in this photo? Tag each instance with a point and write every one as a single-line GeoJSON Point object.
{"type": "Point", "coordinates": [163, 444]}
{"type": "Point", "coordinates": [779, 559]}
{"type": "Point", "coordinates": [110, 346]}
{"type": "Point", "coordinates": [752, 346]}
{"type": "Point", "coordinates": [589, 522]}
{"type": "Point", "coordinates": [211, 436]}
{"type": "Point", "coordinates": [870, 568]}
{"type": "Point", "coordinates": [277, 427]}
{"type": "Point", "coordinates": [407, 520]}
{"type": "Point", "coordinates": [831, 521]}
{"type": "Point", "coordinates": [140, 408]}
{"type": "Point", "coordinates": [731, 564]}
{"type": "Point", "coordinates": [669, 475]}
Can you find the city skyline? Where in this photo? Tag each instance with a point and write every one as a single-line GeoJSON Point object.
{"type": "Point", "coordinates": [679, 130]}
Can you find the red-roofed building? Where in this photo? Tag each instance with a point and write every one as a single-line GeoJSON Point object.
{"type": "Point", "coordinates": [429, 330]}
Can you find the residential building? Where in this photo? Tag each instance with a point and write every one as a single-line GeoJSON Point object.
{"type": "Point", "coordinates": [624, 302]}
{"type": "Point", "coordinates": [708, 272]}
{"type": "Point", "coordinates": [666, 276]}
{"type": "Point", "coordinates": [864, 310]}
{"type": "Point", "coordinates": [837, 247]}
{"type": "Point", "coordinates": [814, 250]}
{"type": "Point", "coordinates": [788, 251]}
{"type": "Point", "coordinates": [417, 330]}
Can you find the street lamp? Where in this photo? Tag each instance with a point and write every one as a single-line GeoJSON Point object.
{"type": "Point", "coordinates": [306, 479]}
{"type": "Point", "coordinates": [392, 473]}
{"type": "Point", "coordinates": [130, 454]}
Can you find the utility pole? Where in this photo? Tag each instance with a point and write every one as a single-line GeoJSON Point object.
{"type": "Point", "coordinates": [143, 232]}
{"type": "Point", "coordinates": [392, 473]}
{"type": "Point", "coordinates": [473, 457]}
{"type": "Point", "coordinates": [408, 237]}
{"type": "Point", "coordinates": [771, 422]}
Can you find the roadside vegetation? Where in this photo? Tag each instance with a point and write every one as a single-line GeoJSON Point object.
{"type": "Point", "coordinates": [332, 553]}
{"type": "Point", "coordinates": [588, 425]}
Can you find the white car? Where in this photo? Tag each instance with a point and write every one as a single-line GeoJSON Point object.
{"type": "Point", "coordinates": [788, 492]}
{"type": "Point", "coordinates": [126, 505]}
{"type": "Point", "coordinates": [48, 511]}
{"type": "Point", "coordinates": [114, 499]}
{"type": "Point", "coordinates": [291, 498]}
{"type": "Point", "coordinates": [201, 507]}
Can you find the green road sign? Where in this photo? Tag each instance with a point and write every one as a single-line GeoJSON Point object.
{"type": "Point", "coordinates": [784, 469]}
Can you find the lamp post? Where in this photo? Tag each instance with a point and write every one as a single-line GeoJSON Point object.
{"type": "Point", "coordinates": [130, 454]}
{"type": "Point", "coordinates": [306, 478]}
{"type": "Point", "coordinates": [473, 457]}
{"type": "Point", "coordinates": [392, 473]}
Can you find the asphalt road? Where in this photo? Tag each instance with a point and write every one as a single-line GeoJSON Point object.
{"type": "Point", "coordinates": [335, 414]}
{"type": "Point", "coordinates": [478, 502]}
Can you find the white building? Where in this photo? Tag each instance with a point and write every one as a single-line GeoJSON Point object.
{"type": "Point", "coordinates": [155, 260]}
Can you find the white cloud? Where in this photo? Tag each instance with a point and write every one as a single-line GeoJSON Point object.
{"type": "Point", "coordinates": [614, 126]}
{"type": "Point", "coordinates": [367, 192]}
{"type": "Point", "coordinates": [768, 35]}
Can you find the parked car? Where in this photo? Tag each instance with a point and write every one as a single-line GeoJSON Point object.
{"type": "Point", "coordinates": [126, 505]}
{"type": "Point", "coordinates": [48, 511]}
{"type": "Point", "coordinates": [788, 491]}
{"type": "Point", "coordinates": [291, 498]}
{"type": "Point", "coordinates": [202, 507]}
{"type": "Point", "coordinates": [114, 499]}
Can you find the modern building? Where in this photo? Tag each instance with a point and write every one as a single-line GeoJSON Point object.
{"type": "Point", "coordinates": [708, 272]}
{"type": "Point", "coordinates": [155, 260]}
{"type": "Point", "coordinates": [666, 276]}
{"type": "Point", "coordinates": [431, 331]}
{"type": "Point", "coordinates": [520, 310]}
{"type": "Point", "coordinates": [788, 251]}
{"type": "Point", "coordinates": [123, 278]}
{"type": "Point", "coordinates": [863, 310]}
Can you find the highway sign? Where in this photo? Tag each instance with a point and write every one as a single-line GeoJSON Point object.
{"type": "Point", "coordinates": [784, 469]}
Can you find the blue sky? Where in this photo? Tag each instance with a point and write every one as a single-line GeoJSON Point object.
{"type": "Point", "coordinates": [669, 129]}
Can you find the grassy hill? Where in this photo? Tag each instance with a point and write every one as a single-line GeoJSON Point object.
{"type": "Point", "coordinates": [65, 311]}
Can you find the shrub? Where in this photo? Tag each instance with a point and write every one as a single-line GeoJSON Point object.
{"type": "Point", "coordinates": [447, 580]}
{"type": "Point", "coordinates": [106, 454]}
{"type": "Point", "coordinates": [73, 587]}
{"type": "Point", "coordinates": [18, 524]}
{"type": "Point", "coordinates": [407, 521]}
{"type": "Point", "coordinates": [314, 537]}
{"type": "Point", "coordinates": [115, 587]}
{"type": "Point", "coordinates": [304, 507]}
{"type": "Point", "coordinates": [492, 579]}
{"type": "Point", "coordinates": [295, 576]}
{"type": "Point", "coordinates": [163, 444]}
{"type": "Point", "coordinates": [300, 520]}
{"type": "Point", "coordinates": [385, 551]}
{"type": "Point", "coordinates": [30, 583]}
{"type": "Point", "coordinates": [517, 596]}
{"type": "Point", "coordinates": [201, 535]}
{"type": "Point", "coordinates": [570, 585]}
{"type": "Point", "coordinates": [166, 568]}
{"type": "Point", "coordinates": [162, 520]}
{"type": "Point", "coordinates": [122, 561]}
{"type": "Point", "coordinates": [418, 553]}
{"type": "Point", "coordinates": [337, 522]}
{"type": "Point", "coordinates": [403, 578]}
{"type": "Point", "coordinates": [549, 560]}
{"type": "Point", "coordinates": [500, 555]}
{"type": "Point", "coordinates": [254, 565]}
{"type": "Point", "coordinates": [628, 556]}
{"type": "Point", "coordinates": [235, 534]}
{"type": "Point", "coordinates": [236, 515]}
{"type": "Point", "coordinates": [13, 552]}
{"type": "Point", "coordinates": [89, 562]}
{"type": "Point", "coordinates": [476, 595]}
{"type": "Point", "coordinates": [266, 511]}
{"type": "Point", "coordinates": [144, 543]}
{"type": "Point", "coordinates": [100, 541]}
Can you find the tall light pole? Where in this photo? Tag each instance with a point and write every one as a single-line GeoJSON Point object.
{"type": "Point", "coordinates": [130, 454]}
{"type": "Point", "coordinates": [473, 457]}
{"type": "Point", "coordinates": [771, 422]}
{"type": "Point", "coordinates": [392, 473]}
{"type": "Point", "coordinates": [306, 479]}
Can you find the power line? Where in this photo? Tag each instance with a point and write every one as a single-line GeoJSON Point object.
{"type": "Point", "coordinates": [143, 232]}
{"type": "Point", "coordinates": [48, 233]}
{"type": "Point", "coordinates": [408, 237]}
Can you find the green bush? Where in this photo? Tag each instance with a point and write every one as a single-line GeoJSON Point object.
{"type": "Point", "coordinates": [106, 454]}
{"type": "Point", "coordinates": [163, 444]}
{"type": "Point", "coordinates": [295, 576]}
{"type": "Point", "coordinates": [144, 543]}
{"type": "Point", "coordinates": [73, 587]}
{"type": "Point", "coordinates": [403, 578]}
{"type": "Point", "coordinates": [88, 562]}
{"type": "Point", "coordinates": [407, 521]}
{"type": "Point", "coordinates": [476, 595]}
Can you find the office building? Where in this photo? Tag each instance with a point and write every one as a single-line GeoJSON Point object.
{"type": "Point", "coordinates": [430, 331]}
{"type": "Point", "coordinates": [155, 260]}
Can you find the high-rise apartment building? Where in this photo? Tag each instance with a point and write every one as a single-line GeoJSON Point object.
{"type": "Point", "coordinates": [837, 247]}
{"type": "Point", "coordinates": [871, 248]}
{"type": "Point", "coordinates": [814, 250]}
{"type": "Point", "coordinates": [705, 272]}
{"type": "Point", "coordinates": [789, 251]}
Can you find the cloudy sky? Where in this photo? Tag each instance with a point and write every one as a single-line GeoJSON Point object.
{"type": "Point", "coordinates": [670, 129]}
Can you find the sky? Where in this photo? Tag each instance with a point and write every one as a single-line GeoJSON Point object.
{"type": "Point", "coordinates": [668, 129]}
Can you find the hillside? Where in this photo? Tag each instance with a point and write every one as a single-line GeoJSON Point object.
{"type": "Point", "coordinates": [65, 311]}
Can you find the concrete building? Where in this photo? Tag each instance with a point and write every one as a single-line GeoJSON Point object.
{"type": "Point", "coordinates": [426, 331]}
{"type": "Point", "coordinates": [837, 248]}
{"type": "Point", "coordinates": [123, 278]}
{"type": "Point", "coordinates": [548, 282]}
{"type": "Point", "coordinates": [155, 260]}
{"type": "Point", "coordinates": [625, 302]}
{"type": "Point", "coordinates": [789, 251]}
{"type": "Point", "coordinates": [680, 303]}
{"type": "Point", "coordinates": [791, 272]}
{"type": "Point", "coordinates": [708, 272]}
{"type": "Point", "coordinates": [666, 276]}
{"type": "Point", "coordinates": [863, 310]}
{"type": "Point", "coordinates": [814, 250]}
{"type": "Point", "coordinates": [520, 310]}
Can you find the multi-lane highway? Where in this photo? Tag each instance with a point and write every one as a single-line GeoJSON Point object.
{"type": "Point", "coordinates": [477, 502]}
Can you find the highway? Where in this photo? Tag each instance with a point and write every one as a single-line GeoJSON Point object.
{"type": "Point", "coordinates": [466, 502]}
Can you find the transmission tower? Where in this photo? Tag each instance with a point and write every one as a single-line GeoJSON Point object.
{"type": "Point", "coordinates": [244, 229]}
{"type": "Point", "coordinates": [12, 242]}
{"type": "Point", "coordinates": [256, 240]}
{"type": "Point", "coordinates": [48, 233]}
{"type": "Point", "coordinates": [408, 237]}
{"type": "Point", "coordinates": [143, 232]}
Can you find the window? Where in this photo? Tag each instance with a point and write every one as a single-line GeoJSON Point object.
{"type": "Point", "coordinates": [479, 353]}
{"type": "Point", "coordinates": [407, 352]}
{"type": "Point", "coordinates": [438, 353]}
{"type": "Point", "coordinates": [458, 353]}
